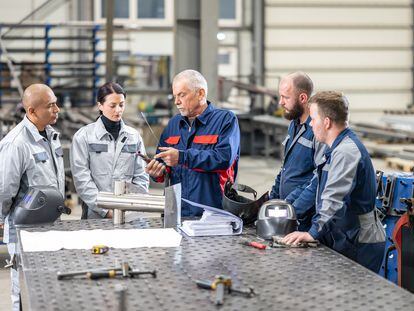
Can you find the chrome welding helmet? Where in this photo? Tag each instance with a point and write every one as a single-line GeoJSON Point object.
{"type": "Point", "coordinates": [245, 208]}
{"type": "Point", "coordinates": [276, 217]}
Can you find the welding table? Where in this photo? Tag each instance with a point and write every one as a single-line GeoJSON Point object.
{"type": "Point", "coordinates": [286, 279]}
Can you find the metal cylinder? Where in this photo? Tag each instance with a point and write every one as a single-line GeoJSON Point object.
{"type": "Point", "coordinates": [119, 187]}
{"type": "Point", "coordinates": [119, 217]}
{"type": "Point", "coordinates": [131, 202]}
{"type": "Point", "coordinates": [121, 293]}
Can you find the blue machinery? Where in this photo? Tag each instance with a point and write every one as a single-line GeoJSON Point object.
{"type": "Point", "coordinates": [392, 189]}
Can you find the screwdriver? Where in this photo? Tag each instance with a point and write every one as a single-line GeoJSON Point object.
{"type": "Point", "coordinates": [99, 274]}
{"type": "Point", "coordinates": [102, 274]}
{"type": "Point", "coordinates": [94, 275]}
{"type": "Point", "coordinates": [254, 244]}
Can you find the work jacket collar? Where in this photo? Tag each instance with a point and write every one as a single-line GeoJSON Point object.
{"type": "Point", "coordinates": [336, 142]}
{"type": "Point", "coordinates": [306, 123]}
{"type": "Point", "coordinates": [100, 130]}
{"type": "Point", "coordinates": [50, 131]}
{"type": "Point", "coordinates": [202, 118]}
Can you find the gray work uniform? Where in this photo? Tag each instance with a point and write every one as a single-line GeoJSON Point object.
{"type": "Point", "coordinates": [27, 159]}
{"type": "Point", "coordinates": [97, 160]}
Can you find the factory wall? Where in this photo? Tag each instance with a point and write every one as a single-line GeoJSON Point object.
{"type": "Point", "coordinates": [362, 48]}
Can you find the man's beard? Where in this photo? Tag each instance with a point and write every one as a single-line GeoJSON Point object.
{"type": "Point", "coordinates": [295, 113]}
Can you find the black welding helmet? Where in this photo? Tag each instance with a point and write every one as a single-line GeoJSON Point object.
{"type": "Point", "coordinates": [39, 206]}
{"type": "Point", "coordinates": [245, 208]}
{"type": "Point", "coordinates": [276, 218]}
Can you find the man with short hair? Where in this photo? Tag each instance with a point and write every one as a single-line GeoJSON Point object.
{"type": "Point", "coordinates": [200, 145]}
{"type": "Point", "coordinates": [345, 218]}
{"type": "Point", "coordinates": [300, 149]}
{"type": "Point", "coordinates": [31, 155]}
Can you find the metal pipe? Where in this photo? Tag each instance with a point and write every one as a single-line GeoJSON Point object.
{"type": "Point", "coordinates": [118, 217]}
{"type": "Point", "coordinates": [129, 202]}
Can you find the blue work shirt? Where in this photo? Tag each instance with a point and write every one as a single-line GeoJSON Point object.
{"type": "Point", "coordinates": [209, 151]}
{"type": "Point", "coordinates": [300, 155]}
{"type": "Point", "coordinates": [345, 218]}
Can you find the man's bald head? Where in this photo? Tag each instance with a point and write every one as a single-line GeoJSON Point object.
{"type": "Point", "coordinates": [36, 95]}
{"type": "Point", "coordinates": [39, 101]}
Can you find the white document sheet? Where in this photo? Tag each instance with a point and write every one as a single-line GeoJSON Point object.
{"type": "Point", "coordinates": [86, 239]}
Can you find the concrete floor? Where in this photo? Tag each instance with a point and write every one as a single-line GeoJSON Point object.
{"type": "Point", "coordinates": [255, 172]}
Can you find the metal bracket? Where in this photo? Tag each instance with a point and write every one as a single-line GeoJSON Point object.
{"type": "Point", "coordinates": [12, 263]}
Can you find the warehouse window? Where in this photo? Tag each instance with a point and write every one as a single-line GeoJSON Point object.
{"type": "Point", "coordinates": [224, 58]}
{"type": "Point", "coordinates": [138, 12]}
{"type": "Point", "coordinates": [151, 9]}
{"type": "Point", "coordinates": [121, 8]}
{"type": "Point", "coordinates": [230, 13]}
{"type": "Point", "coordinates": [227, 9]}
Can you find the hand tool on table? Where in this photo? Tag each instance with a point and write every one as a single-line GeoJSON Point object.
{"type": "Point", "coordinates": [222, 284]}
{"type": "Point", "coordinates": [100, 249]}
{"type": "Point", "coordinates": [254, 244]}
{"type": "Point", "coordinates": [277, 243]}
{"type": "Point", "coordinates": [124, 271]}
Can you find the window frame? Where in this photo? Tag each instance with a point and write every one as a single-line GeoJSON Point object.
{"type": "Point", "coordinates": [234, 22]}
{"type": "Point", "coordinates": [133, 15]}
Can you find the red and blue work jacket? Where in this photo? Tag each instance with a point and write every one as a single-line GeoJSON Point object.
{"type": "Point", "coordinates": [209, 151]}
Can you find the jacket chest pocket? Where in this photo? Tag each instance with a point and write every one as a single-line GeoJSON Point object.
{"type": "Point", "coordinates": [40, 174]}
{"type": "Point", "coordinates": [205, 141]}
{"type": "Point", "coordinates": [99, 159]}
{"type": "Point", "coordinates": [302, 153]}
{"type": "Point", "coordinates": [127, 158]}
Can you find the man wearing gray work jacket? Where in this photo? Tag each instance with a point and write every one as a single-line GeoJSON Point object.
{"type": "Point", "coordinates": [31, 155]}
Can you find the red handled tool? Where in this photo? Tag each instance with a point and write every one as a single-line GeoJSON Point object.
{"type": "Point", "coordinates": [254, 244]}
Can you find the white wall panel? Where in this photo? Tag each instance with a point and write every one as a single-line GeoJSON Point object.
{"type": "Point", "coordinates": [301, 59]}
{"type": "Point", "coordinates": [354, 80]}
{"type": "Point", "coordinates": [362, 47]}
{"type": "Point", "coordinates": [343, 3]}
{"type": "Point", "coordinates": [276, 16]}
{"type": "Point", "coordinates": [338, 37]}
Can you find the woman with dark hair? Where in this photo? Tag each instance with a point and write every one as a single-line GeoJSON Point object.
{"type": "Point", "coordinates": [105, 151]}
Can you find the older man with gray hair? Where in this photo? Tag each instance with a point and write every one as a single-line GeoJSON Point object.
{"type": "Point", "coordinates": [200, 146]}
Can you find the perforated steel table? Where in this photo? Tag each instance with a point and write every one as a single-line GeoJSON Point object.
{"type": "Point", "coordinates": [286, 279]}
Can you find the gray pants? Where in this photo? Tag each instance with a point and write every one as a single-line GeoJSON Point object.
{"type": "Point", "coordinates": [14, 277]}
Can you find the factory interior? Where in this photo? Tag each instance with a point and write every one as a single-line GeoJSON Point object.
{"type": "Point", "coordinates": [249, 154]}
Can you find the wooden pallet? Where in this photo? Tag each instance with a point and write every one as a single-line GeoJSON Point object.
{"type": "Point", "coordinates": [400, 164]}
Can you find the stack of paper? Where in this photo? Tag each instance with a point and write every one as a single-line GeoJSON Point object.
{"type": "Point", "coordinates": [213, 222]}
